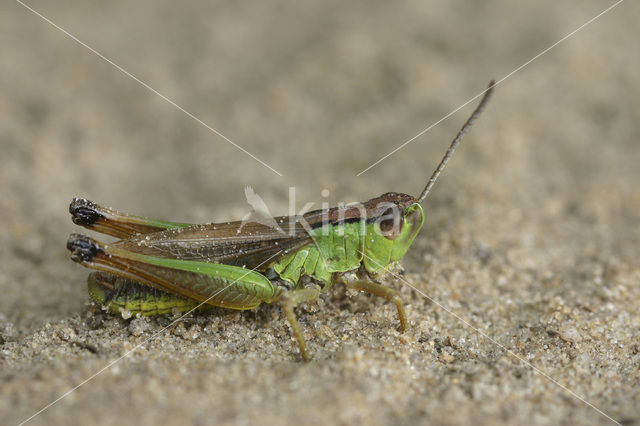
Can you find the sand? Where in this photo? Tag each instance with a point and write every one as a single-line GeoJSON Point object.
{"type": "Point", "coordinates": [525, 306]}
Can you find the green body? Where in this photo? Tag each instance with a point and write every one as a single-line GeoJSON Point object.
{"type": "Point", "coordinates": [162, 267]}
{"type": "Point", "coordinates": [345, 247]}
{"type": "Point", "coordinates": [335, 249]}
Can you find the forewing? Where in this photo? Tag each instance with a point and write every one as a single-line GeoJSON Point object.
{"type": "Point", "coordinates": [245, 244]}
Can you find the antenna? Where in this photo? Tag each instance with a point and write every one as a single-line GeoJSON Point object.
{"type": "Point", "coordinates": [457, 139]}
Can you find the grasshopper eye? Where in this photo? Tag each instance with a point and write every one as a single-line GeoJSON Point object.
{"type": "Point", "coordinates": [391, 223]}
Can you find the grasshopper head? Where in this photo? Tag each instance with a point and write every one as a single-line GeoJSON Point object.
{"type": "Point", "coordinates": [391, 229]}
{"type": "Point", "coordinates": [399, 218]}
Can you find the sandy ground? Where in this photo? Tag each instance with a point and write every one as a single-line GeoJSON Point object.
{"type": "Point", "coordinates": [531, 237]}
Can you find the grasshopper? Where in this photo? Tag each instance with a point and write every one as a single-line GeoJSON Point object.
{"type": "Point", "coordinates": [158, 267]}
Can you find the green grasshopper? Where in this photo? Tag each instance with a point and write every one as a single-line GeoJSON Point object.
{"type": "Point", "coordinates": [159, 267]}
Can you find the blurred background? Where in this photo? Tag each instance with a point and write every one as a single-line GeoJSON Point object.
{"type": "Point", "coordinates": [319, 91]}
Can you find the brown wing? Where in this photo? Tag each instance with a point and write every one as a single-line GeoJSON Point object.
{"type": "Point", "coordinates": [246, 244]}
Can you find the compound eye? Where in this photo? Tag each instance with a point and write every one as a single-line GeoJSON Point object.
{"type": "Point", "coordinates": [391, 223]}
